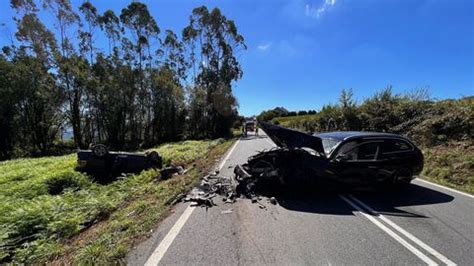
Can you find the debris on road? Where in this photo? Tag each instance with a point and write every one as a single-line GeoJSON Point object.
{"type": "Point", "coordinates": [227, 211]}
{"type": "Point", "coordinates": [168, 172]}
{"type": "Point", "coordinates": [210, 186]}
{"type": "Point", "coordinates": [272, 200]}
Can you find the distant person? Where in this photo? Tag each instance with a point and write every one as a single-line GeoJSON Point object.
{"type": "Point", "coordinates": [256, 130]}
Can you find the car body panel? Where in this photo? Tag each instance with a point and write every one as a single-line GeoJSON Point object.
{"type": "Point", "coordinates": [289, 138]}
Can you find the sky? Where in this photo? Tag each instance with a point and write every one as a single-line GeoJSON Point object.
{"type": "Point", "coordinates": [302, 53]}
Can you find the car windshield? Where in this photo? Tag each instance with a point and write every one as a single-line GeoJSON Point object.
{"type": "Point", "coordinates": [329, 144]}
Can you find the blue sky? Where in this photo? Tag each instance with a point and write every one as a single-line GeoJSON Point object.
{"type": "Point", "coordinates": [301, 53]}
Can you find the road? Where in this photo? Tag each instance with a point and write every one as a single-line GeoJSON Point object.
{"type": "Point", "coordinates": [426, 224]}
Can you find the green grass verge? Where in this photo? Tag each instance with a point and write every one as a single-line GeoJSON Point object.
{"type": "Point", "coordinates": [49, 212]}
{"type": "Point", "coordinates": [451, 165]}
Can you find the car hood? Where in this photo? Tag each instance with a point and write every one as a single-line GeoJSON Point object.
{"type": "Point", "coordinates": [289, 138]}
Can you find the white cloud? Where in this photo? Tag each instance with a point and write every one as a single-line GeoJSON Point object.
{"type": "Point", "coordinates": [264, 47]}
{"type": "Point", "coordinates": [317, 11]}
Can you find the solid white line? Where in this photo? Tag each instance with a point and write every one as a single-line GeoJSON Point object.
{"type": "Point", "coordinates": [228, 155]}
{"type": "Point", "coordinates": [447, 188]}
{"type": "Point", "coordinates": [161, 249]}
{"type": "Point", "coordinates": [269, 141]}
{"type": "Point", "coordinates": [405, 233]}
{"type": "Point", "coordinates": [399, 239]}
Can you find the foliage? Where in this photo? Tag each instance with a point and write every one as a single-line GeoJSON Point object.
{"type": "Point", "coordinates": [44, 201]}
{"type": "Point", "coordinates": [216, 38]}
{"type": "Point", "coordinates": [425, 121]}
{"type": "Point", "coordinates": [131, 96]}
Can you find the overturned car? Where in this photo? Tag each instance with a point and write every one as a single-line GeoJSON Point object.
{"type": "Point", "coordinates": [101, 162]}
{"type": "Point", "coordinates": [347, 159]}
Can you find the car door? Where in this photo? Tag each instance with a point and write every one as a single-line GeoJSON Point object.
{"type": "Point", "coordinates": [396, 155]}
{"type": "Point", "coordinates": [356, 162]}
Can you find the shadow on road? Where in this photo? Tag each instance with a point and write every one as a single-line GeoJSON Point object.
{"type": "Point", "coordinates": [385, 202]}
{"type": "Point", "coordinates": [253, 137]}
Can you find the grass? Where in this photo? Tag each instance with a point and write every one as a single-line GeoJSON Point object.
{"type": "Point", "coordinates": [51, 213]}
{"type": "Point", "coordinates": [451, 164]}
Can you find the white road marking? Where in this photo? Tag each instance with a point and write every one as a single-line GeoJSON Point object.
{"type": "Point", "coordinates": [228, 154]}
{"type": "Point", "coordinates": [391, 233]}
{"type": "Point", "coordinates": [270, 141]}
{"type": "Point", "coordinates": [447, 188]}
{"type": "Point", "coordinates": [405, 233]}
{"type": "Point", "coordinates": [161, 249]}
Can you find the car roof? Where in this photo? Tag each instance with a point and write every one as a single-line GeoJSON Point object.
{"type": "Point", "coordinates": [343, 135]}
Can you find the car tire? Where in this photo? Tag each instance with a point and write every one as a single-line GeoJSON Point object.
{"type": "Point", "coordinates": [155, 159]}
{"type": "Point", "coordinates": [401, 179]}
{"type": "Point", "coordinates": [100, 150]}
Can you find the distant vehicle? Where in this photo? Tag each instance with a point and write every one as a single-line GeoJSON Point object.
{"type": "Point", "coordinates": [250, 126]}
{"type": "Point", "coordinates": [100, 161]}
{"type": "Point", "coordinates": [345, 158]}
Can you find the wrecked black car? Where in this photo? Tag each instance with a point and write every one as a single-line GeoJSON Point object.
{"type": "Point", "coordinates": [340, 159]}
{"type": "Point", "coordinates": [100, 161]}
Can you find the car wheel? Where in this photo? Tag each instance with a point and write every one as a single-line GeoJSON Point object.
{"type": "Point", "coordinates": [155, 158]}
{"type": "Point", "coordinates": [100, 150]}
{"type": "Point", "coordinates": [401, 178]}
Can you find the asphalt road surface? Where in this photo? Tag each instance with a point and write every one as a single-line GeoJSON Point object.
{"type": "Point", "coordinates": [426, 224]}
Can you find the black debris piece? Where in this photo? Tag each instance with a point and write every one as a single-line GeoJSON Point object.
{"type": "Point", "coordinates": [168, 172]}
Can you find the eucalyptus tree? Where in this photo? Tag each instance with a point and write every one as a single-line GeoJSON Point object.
{"type": "Point", "coordinates": [144, 29]}
{"type": "Point", "coordinates": [86, 35]}
{"type": "Point", "coordinates": [217, 40]}
{"type": "Point", "coordinates": [110, 24]}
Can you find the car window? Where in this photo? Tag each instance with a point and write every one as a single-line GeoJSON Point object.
{"type": "Point", "coordinates": [364, 151]}
{"type": "Point", "coordinates": [347, 147]}
{"type": "Point", "coordinates": [395, 145]}
{"type": "Point", "coordinates": [329, 144]}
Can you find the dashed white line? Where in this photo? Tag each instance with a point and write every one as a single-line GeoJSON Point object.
{"type": "Point", "coordinates": [415, 240]}
{"type": "Point", "coordinates": [161, 249]}
{"type": "Point", "coordinates": [391, 233]}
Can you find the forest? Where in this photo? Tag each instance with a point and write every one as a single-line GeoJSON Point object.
{"type": "Point", "coordinates": [147, 86]}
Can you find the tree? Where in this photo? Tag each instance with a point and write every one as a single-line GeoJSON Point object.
{"type": "Point", "coordinates": [349, 112]}
{"type": "Point", "coordinates": [8, 109]}
{"type": "Point", "coordinates": [39, 105]}
{"type": "Point", "coordinates": [378, 112]}
{"type": "Point", "coordinates": [92, 19]}
{"type": "Point", "coordinates": [109, 23]}
{"type": "Point", "coordinates": [217, 39]}
{"type": "Point", "coordinates": [302, 112]}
